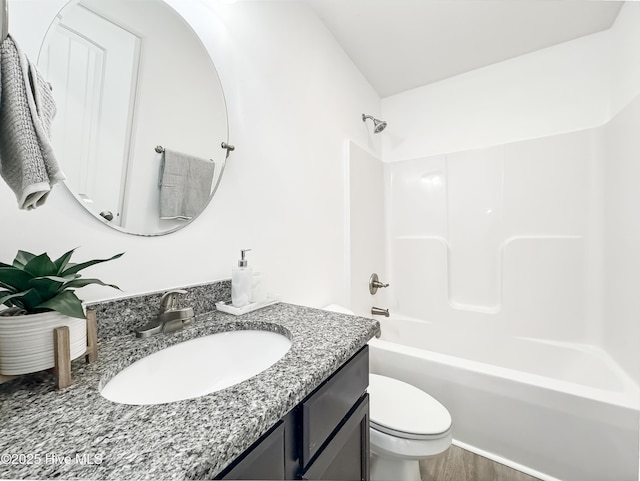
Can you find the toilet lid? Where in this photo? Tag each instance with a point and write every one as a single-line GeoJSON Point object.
{"type": "Point", "coordinates": [403, 410]}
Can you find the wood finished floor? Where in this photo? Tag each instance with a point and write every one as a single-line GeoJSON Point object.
{"type": "Point", "coordinates": [457, 464]}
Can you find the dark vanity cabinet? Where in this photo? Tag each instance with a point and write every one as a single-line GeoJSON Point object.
{"type": "Point", "coordinates": [326, 436]}
{"type": "Point", "coordinates": [262, 460]}
{"type": "Point", "coordinates": [346, 456]}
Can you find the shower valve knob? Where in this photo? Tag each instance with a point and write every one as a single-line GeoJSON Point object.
{"type": "Point", "coordinates": [375, 284]}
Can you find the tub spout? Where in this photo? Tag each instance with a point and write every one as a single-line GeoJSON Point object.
{"type": "Point", "coordinates": [377, 311]}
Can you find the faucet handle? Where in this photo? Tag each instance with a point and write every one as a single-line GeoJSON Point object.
{"type": "Point", "coordinates": [169, 300]}
{"type": "Point", "coordinates": [375, 284]}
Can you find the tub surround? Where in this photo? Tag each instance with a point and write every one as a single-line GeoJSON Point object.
{"type": "Point", "coordinates": [190, 439]}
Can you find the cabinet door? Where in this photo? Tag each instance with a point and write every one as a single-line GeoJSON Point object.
{"type": "Point", "coordinates": [345, 457]}
{"type": "Point", "coordinates": [263, 460]}
{"type": "Point", "coordinates": [324, 410]}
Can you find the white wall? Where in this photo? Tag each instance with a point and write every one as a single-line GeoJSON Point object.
{"type": "Point", "coordinates": [294, 97]}
{"type": "Point", "coordinates": [572, 86]}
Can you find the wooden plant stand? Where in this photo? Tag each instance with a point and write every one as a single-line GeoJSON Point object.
{"type": "Point", "coordinates": [62, 352]}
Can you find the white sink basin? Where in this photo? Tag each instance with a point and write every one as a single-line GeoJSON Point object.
{"type": "Point", "coordinates": [197, 367]}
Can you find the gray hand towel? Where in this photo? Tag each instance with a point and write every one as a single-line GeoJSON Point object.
{"type": "Point", "coordinates": [27, 108]}
{"type": "Point", "coordinates": [185, 185]}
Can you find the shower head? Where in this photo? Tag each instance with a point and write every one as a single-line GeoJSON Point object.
{"type": "Point", "coordinates": [378, 125]}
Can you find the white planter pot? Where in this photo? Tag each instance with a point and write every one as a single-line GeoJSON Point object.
{"type": "Point", "coordinates": [26, 342]}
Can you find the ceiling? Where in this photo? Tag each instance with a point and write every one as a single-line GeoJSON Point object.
{"type": "Point", "coordinates": [403, 44]}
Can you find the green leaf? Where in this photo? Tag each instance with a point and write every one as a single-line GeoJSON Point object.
{"type": "Point", "coordinates": [77, 283]}
{"type": "Point", "coordinates": [29, 299]}
{"type": "Point", "coordinates": [66, 303]}
{"type": "Point", "coordinates": [7, 286]}
{"type": "Point", "coordinates": [15, 277]}
{"type": "Point", "coordinates": [22, 258]}
{"type": "Point", "coordinates": [73, 269]}
{"type": "Point", "coordinates": [41, 265]}
{"type": "Point", "coordinates": [49, 286]}
{"type": "Point", "coordinates": [4, 297]}
{"type": "Point", "coordinates": [62, 262]}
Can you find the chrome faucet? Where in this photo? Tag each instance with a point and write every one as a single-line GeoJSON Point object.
{"type": "Point", "coordinates": [378, 311]}
{"type": "Point", "coordinates": [170, 319]}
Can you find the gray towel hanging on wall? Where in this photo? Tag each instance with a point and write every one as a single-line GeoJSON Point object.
{"type": "Point", "coordinates": [27, 108]}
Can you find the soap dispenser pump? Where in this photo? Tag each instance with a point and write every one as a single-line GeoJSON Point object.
{"type": "Point", "coordinates": [241, 277]}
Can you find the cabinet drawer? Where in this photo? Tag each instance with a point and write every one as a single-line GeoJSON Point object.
{"type": "Point", "coordinates": [324, 410]}
{"type": "Point", "coordinates": [346, 456]}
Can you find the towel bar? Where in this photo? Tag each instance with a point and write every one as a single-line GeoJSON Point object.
{"type": "Point", "coordinates": [224, 145]}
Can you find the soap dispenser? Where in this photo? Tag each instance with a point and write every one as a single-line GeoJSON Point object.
{"type": "Point", "coordinates": [241, 279]}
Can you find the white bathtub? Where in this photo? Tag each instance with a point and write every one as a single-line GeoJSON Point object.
{"type": "Point", "coordinates": [557, 411]}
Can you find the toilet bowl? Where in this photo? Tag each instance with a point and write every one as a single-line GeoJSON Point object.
{"type": "Point", "coordinates": [406, 426]}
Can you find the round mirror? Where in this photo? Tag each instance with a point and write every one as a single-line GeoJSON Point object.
{"type": "Point", "coordinates": [141, 114]}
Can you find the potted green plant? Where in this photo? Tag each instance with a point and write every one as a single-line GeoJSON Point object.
{"type": "Point", "coordinates": [39, 295]}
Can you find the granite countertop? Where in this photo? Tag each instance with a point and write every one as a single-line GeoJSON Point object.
{"type": "Point", "coordinates": [75, 433]}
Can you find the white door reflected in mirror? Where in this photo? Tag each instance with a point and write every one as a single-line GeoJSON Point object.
{"type": "Point", "coordinates": [93, 64]}
{"type": "Point", "coordinates": [129, 75]}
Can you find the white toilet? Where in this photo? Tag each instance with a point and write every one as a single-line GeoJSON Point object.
{"type": "Point", "coordinates": [406, 425]}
